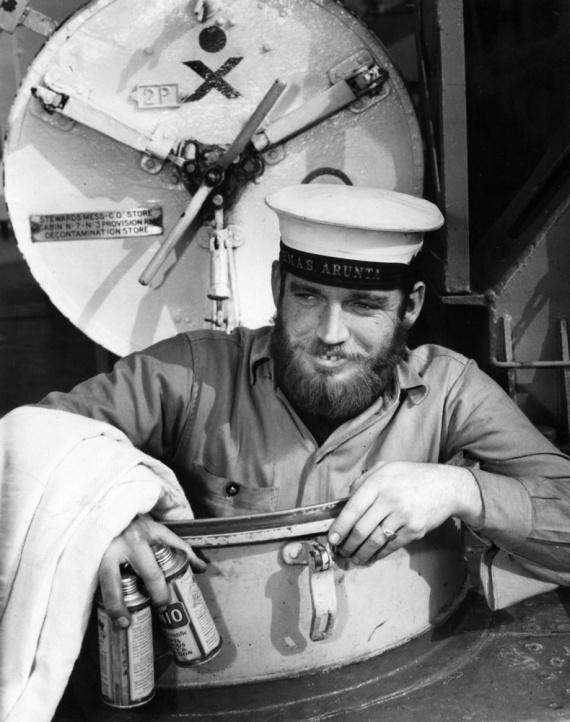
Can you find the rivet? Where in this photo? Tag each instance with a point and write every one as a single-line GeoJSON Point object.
{"type": "Point", "coordinates": [294, 550]}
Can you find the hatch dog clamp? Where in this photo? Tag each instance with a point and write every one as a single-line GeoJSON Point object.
{"type": "Point", "coordinates": [321, 562]}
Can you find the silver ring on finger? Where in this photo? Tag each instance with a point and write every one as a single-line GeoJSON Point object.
{"type": "Point", "coordinates": [390, 535]}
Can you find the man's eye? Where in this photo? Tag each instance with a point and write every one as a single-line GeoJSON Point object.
{"type": "Point", "coordinates": [363, 307]}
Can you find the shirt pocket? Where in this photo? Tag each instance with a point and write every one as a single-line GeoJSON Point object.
{"type": "Point", "coordinates": [219, 496]}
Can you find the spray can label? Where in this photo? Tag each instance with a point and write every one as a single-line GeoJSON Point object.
{"type": "Point", "coordinates": [126, 658]}
{"type": "Point", "coordinates": [186, 622]}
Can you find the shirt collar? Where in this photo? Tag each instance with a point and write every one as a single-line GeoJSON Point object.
{"type": "Point", "coordinates": [259, 355]}
{"type": "Point", "coordinates": [408, 378]}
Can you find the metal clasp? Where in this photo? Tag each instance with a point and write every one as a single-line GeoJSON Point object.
{"type": "Point", "coordinates": [321, 562]}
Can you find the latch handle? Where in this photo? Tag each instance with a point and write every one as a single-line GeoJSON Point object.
{"type": "Point", "coordinates": [321, 562]}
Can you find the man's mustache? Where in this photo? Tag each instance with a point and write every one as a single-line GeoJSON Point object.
{"type": "Point", "coordinates": [351, 353]}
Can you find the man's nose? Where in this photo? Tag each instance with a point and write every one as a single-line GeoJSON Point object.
{"type": "Point", "coordinates": [332, 327]}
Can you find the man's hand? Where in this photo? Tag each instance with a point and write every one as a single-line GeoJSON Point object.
{"type": "Point", "coordinates": [134, 546]}
{"type": "Point", "coordinates": [407, 498]}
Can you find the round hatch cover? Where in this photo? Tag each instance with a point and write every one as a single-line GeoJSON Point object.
{"type": "Point", "coordinates": [129, 104]}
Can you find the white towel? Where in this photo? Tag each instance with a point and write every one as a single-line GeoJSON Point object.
{"type": "Point", "coordinates": [69, 486]}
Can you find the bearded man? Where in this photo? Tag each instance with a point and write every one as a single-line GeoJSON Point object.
{"type": "Point", "coordinates": [329, 402]}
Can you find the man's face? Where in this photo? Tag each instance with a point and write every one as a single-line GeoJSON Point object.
{"type": "Point", "coordinates": [335, 349]}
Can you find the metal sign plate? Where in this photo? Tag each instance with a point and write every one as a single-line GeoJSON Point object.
{"type": "Point", "coordinates": [133, 223]}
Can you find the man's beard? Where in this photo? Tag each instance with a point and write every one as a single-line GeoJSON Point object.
{"type": "Point", "coordinates": [318, 393]}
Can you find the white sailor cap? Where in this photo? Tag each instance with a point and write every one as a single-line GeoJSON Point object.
{"type": "Point", "coordinates": [352, 236]}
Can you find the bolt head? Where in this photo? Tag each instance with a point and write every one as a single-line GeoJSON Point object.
{"type": "Point", "coordinates": [149, 163]}
{"type": "Point", "coordinates": [294, 550]}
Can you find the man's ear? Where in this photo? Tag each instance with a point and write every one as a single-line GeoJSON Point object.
{"type": "Point", "coordinates": [414, 304]}
{"type": "Point", "coordinates": [275, 281]}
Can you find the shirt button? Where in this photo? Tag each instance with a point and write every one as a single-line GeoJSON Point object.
{"type": "Point", "coordinates": [232, 488]}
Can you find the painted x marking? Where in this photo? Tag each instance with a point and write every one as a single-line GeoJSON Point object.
{"type": "Point", "coordinates": [213, 79]}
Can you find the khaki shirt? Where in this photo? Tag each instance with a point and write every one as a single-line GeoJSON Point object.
{"type": "Point", "coordinates": [205, 403]}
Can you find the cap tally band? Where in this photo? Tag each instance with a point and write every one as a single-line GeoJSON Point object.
{"type": "Point", "coordinates": [345, 272]}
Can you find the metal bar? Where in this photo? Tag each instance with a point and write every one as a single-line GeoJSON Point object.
{"type": "Point", "coordinates": [566, 373]}
{"type": "Point", "coordinates": [246, 133]}
{"type": "Point", "coordinates": [318, 108]}
{"type": "Point", "coordinates": [38, 22]}
{"type": "Point", "coordinates": [468, 299]}
{"type": "Point", "coordinates": [159, 143]}
{"type": "Point", "coordinates": [325, 512]}
{"type": "Point", "coordinates": [256, 536]}
{"type": "Point", "coordinates": [510, 362]}
{"type": "Point", "coordinates": [443, 52]}
{"type": "Point", "coordinates": [509, 355]}
{"type": "Point", "coordinates": [175, 234]}
{"type": "Point", "coordinates": [530, 364]}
